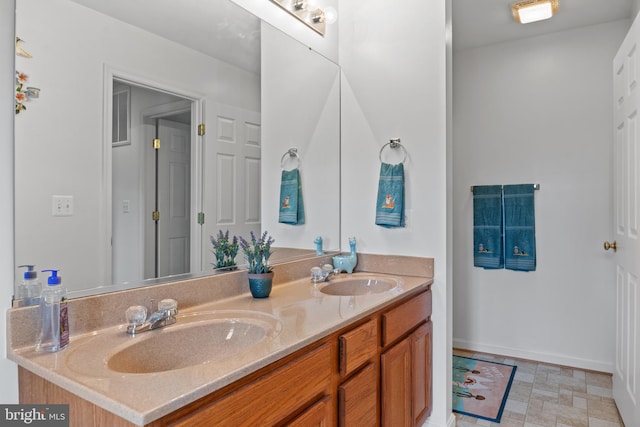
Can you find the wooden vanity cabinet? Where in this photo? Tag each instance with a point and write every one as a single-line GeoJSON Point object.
{"type": "Point", "coordinates": [375, 372]}
{"type": "Point", "coordinates": [405, 363]}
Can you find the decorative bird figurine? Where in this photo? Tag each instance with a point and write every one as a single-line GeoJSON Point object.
{"type": "Point", "coordinates": [20, 50]}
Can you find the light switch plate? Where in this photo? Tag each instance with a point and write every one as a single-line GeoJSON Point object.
{"type": "Point", "coordinates": [62, 205]}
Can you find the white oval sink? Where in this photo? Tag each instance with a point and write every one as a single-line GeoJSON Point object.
{"type": "Point", "coordinates": [194, 339]}
{"type": "Point", "coordinates": [359, 286]}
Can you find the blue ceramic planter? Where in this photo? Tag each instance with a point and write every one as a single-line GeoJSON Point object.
{"type": "Point", "coordinates": [260, 284]}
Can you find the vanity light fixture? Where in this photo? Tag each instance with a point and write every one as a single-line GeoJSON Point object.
{"type": "Point", "coordinates": [527, 11]}
{"type": "Point", "coordinates": [314, 19]}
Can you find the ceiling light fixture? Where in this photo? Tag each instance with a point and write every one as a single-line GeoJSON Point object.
{"type": "Point", "coordinates": [528, 11]}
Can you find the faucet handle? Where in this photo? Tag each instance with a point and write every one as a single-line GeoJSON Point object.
{"type": "Point", "coordinates": [327, 269]}
{"type": "Point", "coordinates": [136, 315]}
{"type": "Point", "coordinates": [168, 304]}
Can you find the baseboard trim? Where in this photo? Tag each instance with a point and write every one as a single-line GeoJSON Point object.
{"type": "Point", "coordinates": [451, 422]}
{"type": "Point", "coordinates": [556, 359]}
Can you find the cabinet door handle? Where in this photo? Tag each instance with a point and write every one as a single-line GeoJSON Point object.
{"type": "Point", "coordinates": [611, 245]}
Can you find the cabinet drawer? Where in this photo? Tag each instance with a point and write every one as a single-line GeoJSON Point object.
{"type": "Point", "coordinates": [271, 398]}
{"type": "Point", "coordinates": [396, 322]}
{"type": "Point", "coordinates": [358, 346]}
{"type": "Point", "coordinates": [317, 415]}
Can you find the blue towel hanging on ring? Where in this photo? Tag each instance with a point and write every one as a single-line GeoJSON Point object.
{"type": "Point", "coordinates": [390, 200]}
{"type": "Point", "coordinates": [291, 203]}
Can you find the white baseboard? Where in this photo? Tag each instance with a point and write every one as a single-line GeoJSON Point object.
{"type": "Point", "coordinates": [451, 422]}
{"type": "Point", "coordinates": [556, 359]}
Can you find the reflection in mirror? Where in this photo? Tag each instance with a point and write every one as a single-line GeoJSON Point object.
{"type": "Point", "coordinates": [203, 68]}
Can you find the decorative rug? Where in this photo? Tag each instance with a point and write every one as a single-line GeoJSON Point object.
{"type": "Point", "coordinates": [480, 387]}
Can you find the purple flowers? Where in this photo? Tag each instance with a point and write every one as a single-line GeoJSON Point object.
{"type": "Point", "coordinates": [257, 252]}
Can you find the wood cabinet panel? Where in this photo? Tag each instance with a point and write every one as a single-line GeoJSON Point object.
{"type": "Point", "coordinates": [319, 414]}
{"type": "Point", "coordinates": [421, 372]}
{"type": "Point", "coordinates": [358, 346]}
{"type": "Point", "coordinates": [358, 399]}
{"type": "Point", "coordinates": [271, 398]}
{"type": "Point", "coordinates": [396, 322]}
{"type": "Point", "coordinates": [395, 371]}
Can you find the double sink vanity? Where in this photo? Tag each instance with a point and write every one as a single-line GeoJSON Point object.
{"type": "Point", "coordinates": [355, 350]}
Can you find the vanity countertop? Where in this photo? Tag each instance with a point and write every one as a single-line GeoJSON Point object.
{"type": "Point", "coordinates": [304, 315]}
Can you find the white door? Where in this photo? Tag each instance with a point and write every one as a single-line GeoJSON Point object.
{"type": "Point", "coordinates": [626, 227]}
{"type": "Point", "coordinates": [174, 198]}
{"type": "Point", "coordinates": [231, 187]}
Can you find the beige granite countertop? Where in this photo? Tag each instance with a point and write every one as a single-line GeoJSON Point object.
{"type": "Point", "coordinates": [299, 313]}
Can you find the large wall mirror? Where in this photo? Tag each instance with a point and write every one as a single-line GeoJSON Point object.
{"type": "Point", "coordinates": [115, 76]}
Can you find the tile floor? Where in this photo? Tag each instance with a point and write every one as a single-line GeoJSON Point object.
{"type": "Point", "coordinates": [544, 395]}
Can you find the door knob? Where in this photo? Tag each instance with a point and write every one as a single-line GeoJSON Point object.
{"type": "Point", "coordinates": [612, 245]}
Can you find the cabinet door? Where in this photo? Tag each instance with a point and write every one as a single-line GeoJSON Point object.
{"type": "Point", "coordinates": [358, 399]}
{"type": "Point", "coordinates": [396, 390]}
{"type": "Point", "coordinates": [317, 415]}
{"type": "Point", "coordinates": [421, 353]}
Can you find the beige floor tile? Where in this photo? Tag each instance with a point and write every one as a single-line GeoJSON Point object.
{"type": "Point", "coordinates": [604, 410]}
{"type": "Point", "coordinates": [596, 422]}
{"type": "Point", "coordinates": [544, 395]}
{"type": "Point", "coordinates": [600, 380]}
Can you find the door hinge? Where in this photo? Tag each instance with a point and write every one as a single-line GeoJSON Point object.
{"type": "Point", "coordinates": [201, 218]}
{"type": "Point", "coordinates": [156, 144]}
{"type": "Point", "coordinates": [155, 216]}
{"type": "Point", "coordinates": [201, 129]}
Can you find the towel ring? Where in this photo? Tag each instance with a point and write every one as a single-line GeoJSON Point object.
{"type": "Point", "coordinates": [291, 152]}
{"type": "Point", "coordinates": [393, 143]}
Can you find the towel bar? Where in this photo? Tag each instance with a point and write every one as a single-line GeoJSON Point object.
{"type": "Point", "coordinates": [535, 187]}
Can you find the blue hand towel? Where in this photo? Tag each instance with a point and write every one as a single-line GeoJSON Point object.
{"type": "Point", "coordinates": [291, 203]}
{"type": "Point", "coordinates": [519, 227]}
{"type": "Point", "coordinates": [390, 202]}
{"type": "Point", "coordinates": [487, 226]}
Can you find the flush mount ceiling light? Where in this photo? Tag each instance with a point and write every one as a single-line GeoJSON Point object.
{"type": "Point", "coordinates": [314, 19]}
{"type": "Point", "coordinates": [528, 11]}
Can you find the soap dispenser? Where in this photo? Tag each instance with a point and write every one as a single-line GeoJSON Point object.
{"type": "Point", "coordinates": [54, 334]}
{"type": "Point", "coordinates": [29, 290]}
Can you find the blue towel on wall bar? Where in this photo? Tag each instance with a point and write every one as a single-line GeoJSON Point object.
{"type": "Point", "coordinates": [291, 202]}
{"type": "Point", "coordinates": [519, 227]}
{"type": "Point", "coordinates": [390, 201]}
{"type": "Point", "coordinates": [487, 226]}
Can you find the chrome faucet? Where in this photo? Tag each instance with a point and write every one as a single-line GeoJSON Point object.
{"type": "Point", "coordinates": [139, 322]}
{"type": "Point", "coordinates": [324, 273]}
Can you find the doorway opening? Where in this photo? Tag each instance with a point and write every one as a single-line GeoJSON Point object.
{"type": "Point", "coordinates": [153, 166]}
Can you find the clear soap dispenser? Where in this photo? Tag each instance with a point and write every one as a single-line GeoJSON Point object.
{"type": "Point", "coordinates": [29, 290]}
{"type": "Point", "coordinates": [54, 334]}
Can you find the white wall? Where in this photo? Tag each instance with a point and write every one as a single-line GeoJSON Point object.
{"type": "Point", "coordinates": [68, 117]}
{"type": "Point", "coordinates": [394, 85]}
{"type": "Point", "coordinates": [538, 110]}
{"type": "Point", "coordinates": [301, 109]}
{"type": "Point", "coordinates": [8, 371]}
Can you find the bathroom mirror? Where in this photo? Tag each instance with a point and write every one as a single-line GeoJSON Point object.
{"type": "Point", "coordinates": [75, 190]}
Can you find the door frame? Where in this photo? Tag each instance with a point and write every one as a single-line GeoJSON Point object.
{"type": "Point", "coordinates": [105, 220]}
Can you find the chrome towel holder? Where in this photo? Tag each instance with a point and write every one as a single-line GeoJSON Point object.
{"type": "Point", "coordinates": [393, 144]}
{"type": "Point", "coordinates": [291, 153]}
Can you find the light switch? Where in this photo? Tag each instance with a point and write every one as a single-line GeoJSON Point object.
{"type": "Point", "coordinates": [62, 205]}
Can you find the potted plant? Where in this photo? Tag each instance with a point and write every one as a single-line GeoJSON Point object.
{"type": "Point", "coordinates": [225, 250]}
{"type": "Point", "coordinates": [257, 253]}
